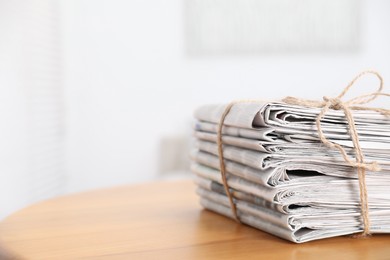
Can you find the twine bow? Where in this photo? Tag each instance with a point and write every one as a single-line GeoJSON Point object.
{"type": "Point", "coordinates": [328, 103]}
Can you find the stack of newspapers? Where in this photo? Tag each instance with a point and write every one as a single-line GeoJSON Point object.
{"type": "Point", "coordinates": [282, 178]}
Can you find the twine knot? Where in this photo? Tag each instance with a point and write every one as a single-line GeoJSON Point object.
{"type": "Point", "coordinates": [335, 103]}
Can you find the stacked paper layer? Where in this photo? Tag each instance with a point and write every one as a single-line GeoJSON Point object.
{"type": "Point", "coordinates": [283, 179]}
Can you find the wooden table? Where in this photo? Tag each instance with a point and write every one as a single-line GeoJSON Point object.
{"type": "Point", "coordinates": [160, 220]}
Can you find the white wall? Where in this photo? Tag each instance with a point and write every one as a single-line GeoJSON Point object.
{"type": "Point", "coordinates": [32, 134]}
{"type": "Point", "coordinates": [129, 81]}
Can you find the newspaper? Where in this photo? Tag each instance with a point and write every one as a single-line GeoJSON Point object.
{"type": "Point", "coordinates": [283, 179]}
{"type": "Point", "coordinates": [296, 121]}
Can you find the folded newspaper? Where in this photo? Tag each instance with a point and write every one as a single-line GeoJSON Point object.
{"type": "Point", "coordinates": [282, 178]}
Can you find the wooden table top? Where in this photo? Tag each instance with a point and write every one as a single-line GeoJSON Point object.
{"type": "Point", "coordinates": [161, 220]}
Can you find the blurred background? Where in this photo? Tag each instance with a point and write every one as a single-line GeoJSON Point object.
{"type": "Point", "coordinates": [101, 93]}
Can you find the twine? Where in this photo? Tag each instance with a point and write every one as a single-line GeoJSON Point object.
{"type": "Point", "coordinates": [328, 103]}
